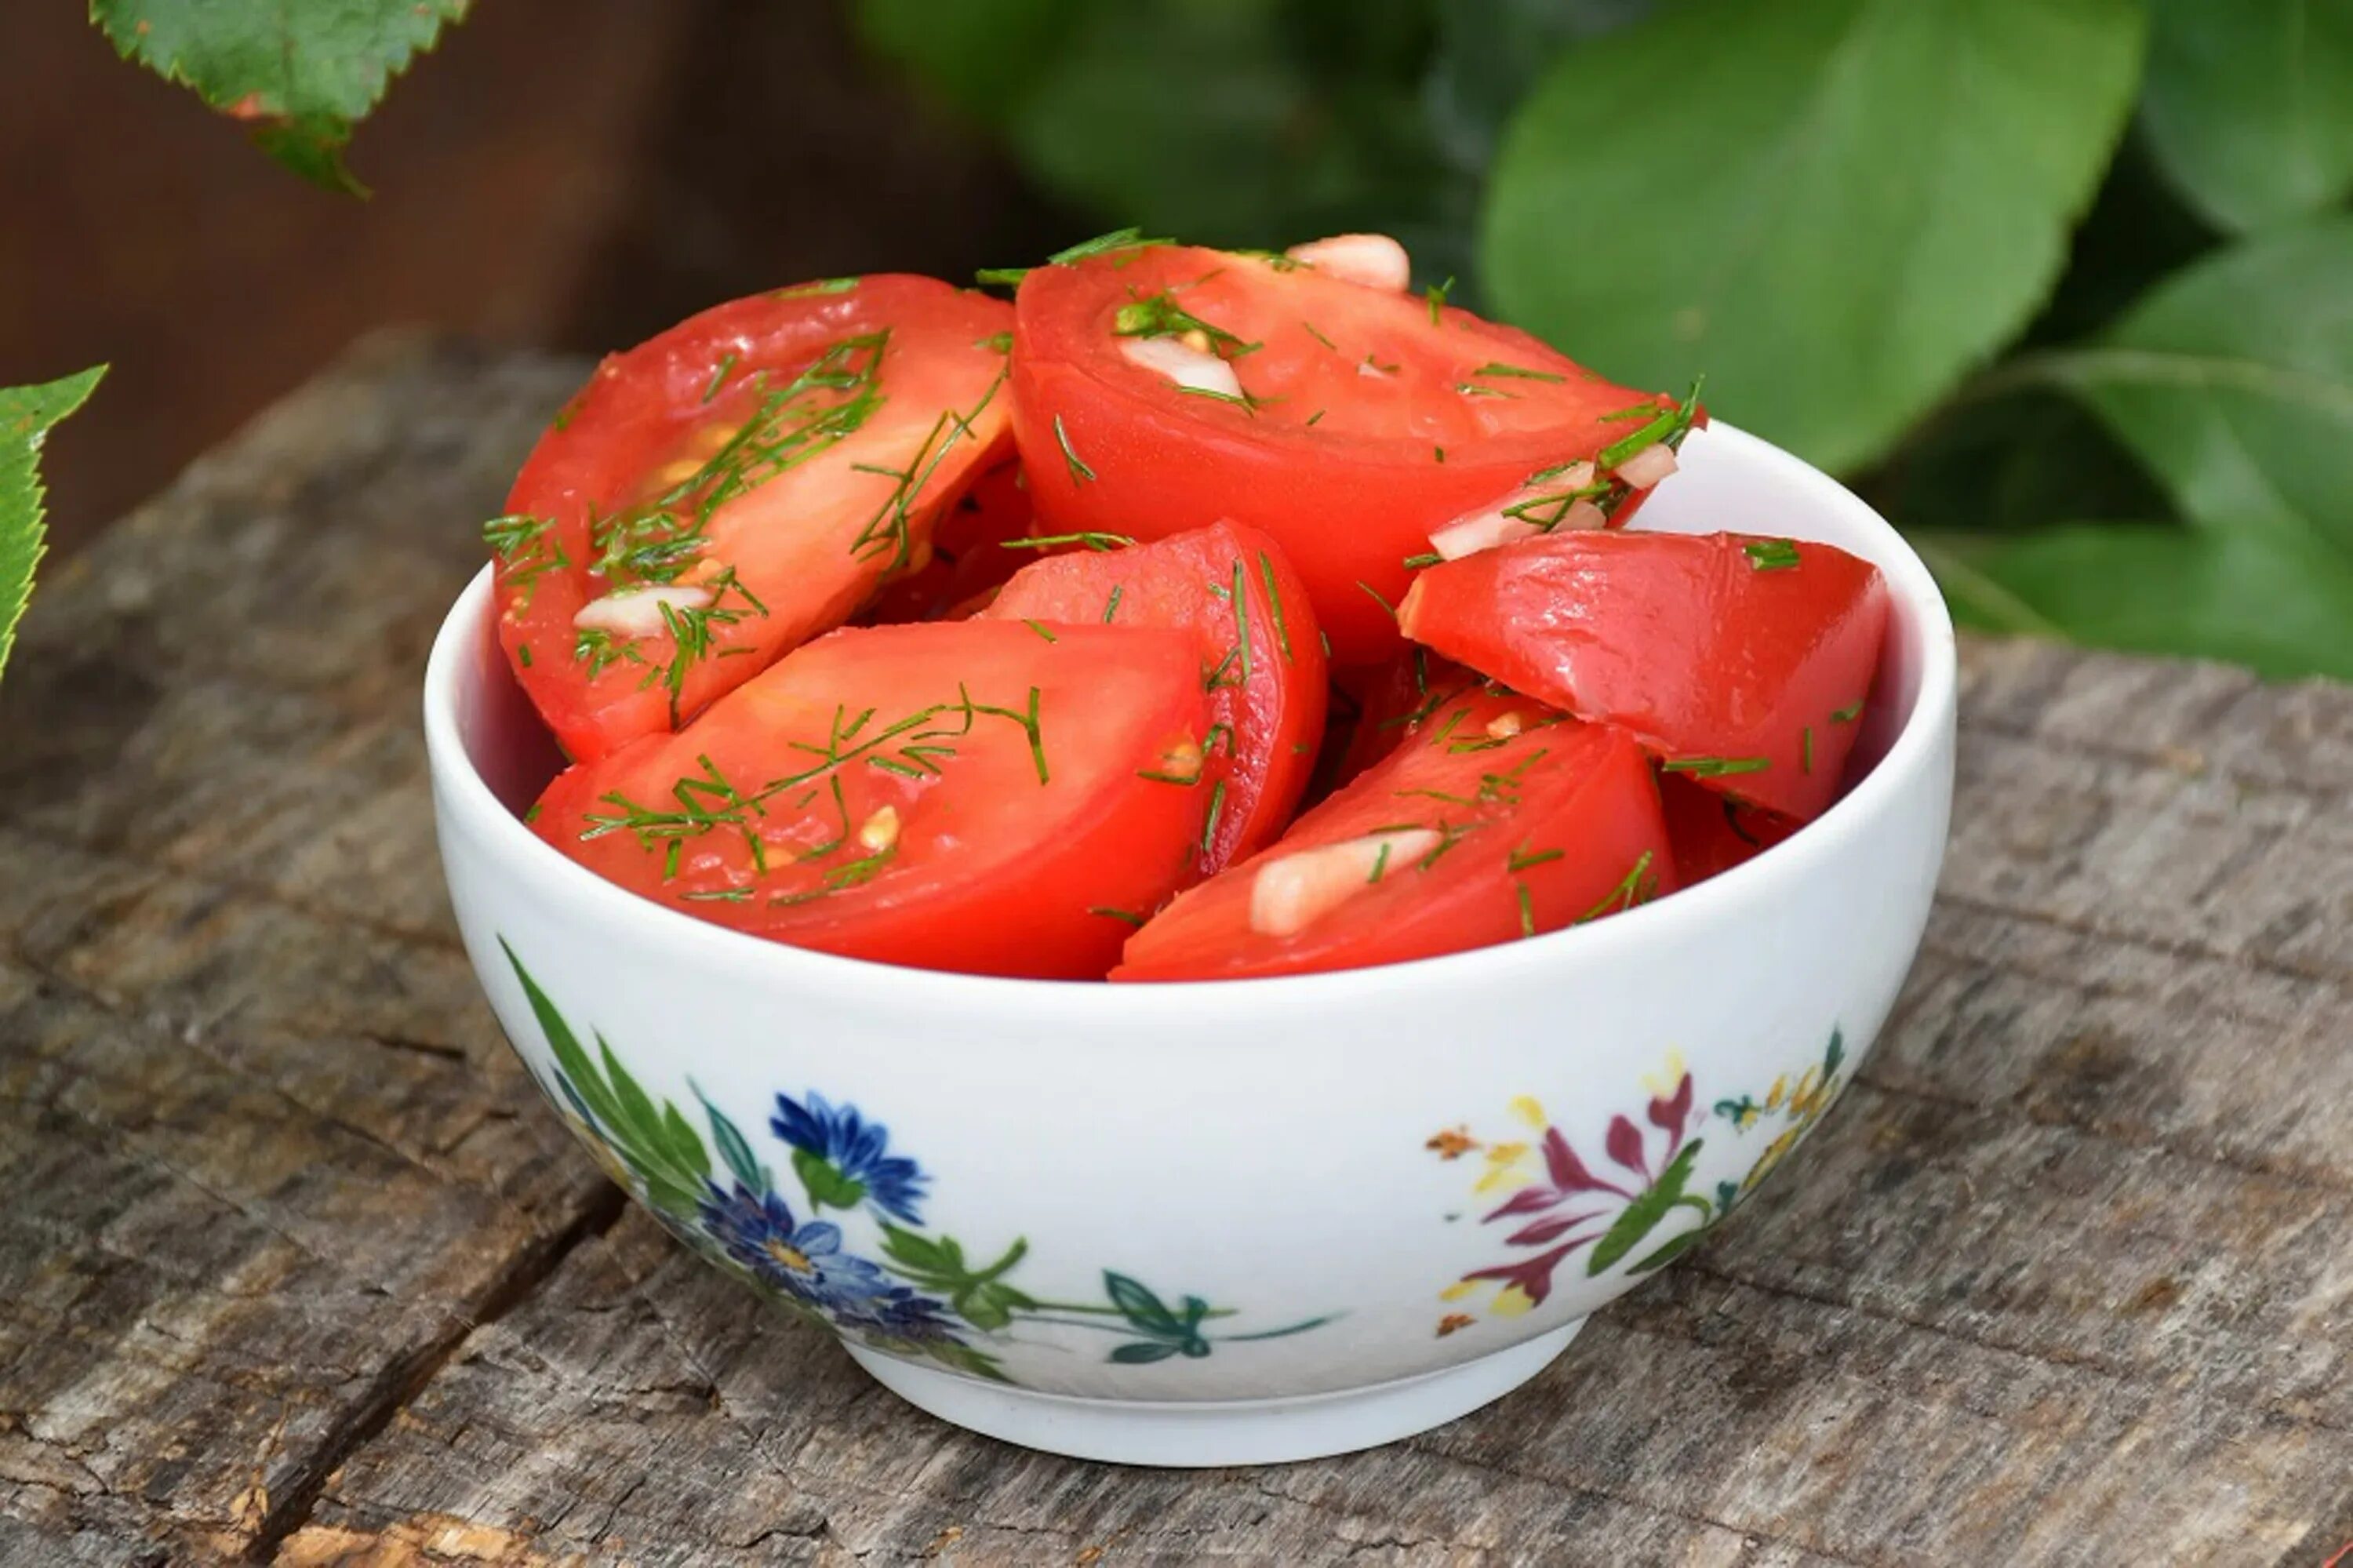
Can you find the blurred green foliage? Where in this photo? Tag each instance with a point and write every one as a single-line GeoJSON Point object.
{"type": "Point", "coordinates": [1846, 212]}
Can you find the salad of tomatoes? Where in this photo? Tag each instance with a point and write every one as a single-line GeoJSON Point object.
{"type": "Point", "coordinates": [1195, 615]}
{"type": "Point", "coordinates": [1161, 389]}
{"type": "Point", "coordinates": [719, 494]}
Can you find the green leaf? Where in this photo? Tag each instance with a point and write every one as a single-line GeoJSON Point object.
{"type": "Point", "coordinates": [1144, 1351]}
{"type": "Point", "coordinates": [980, 55]}
{"type": "Point", "coordinates": [1674, 1249]}
{"type": "Point", "coordinates": [980, 1298]}
{"type": "Point", "coordinates": [2233, 381]}
{"type": "Point", "coordinates": [2138, 232]}
{"type": "Point", "coordinates": [2006, 464]}
{"type": "Point", "coordinates": [27, 416]}
{"type": "Point", "coordinates": [2283, 607]}
{"type": "Point", "coordinates": [990, 1304]}
{"type": "Point", "coordinates": [964, 1358]}
{"type": "Point", "coordinates": [2249, 105]}
{"type": "Point", "coordinates": [1642, 1217]}
{"type": "Point", "coordinates": [1140, 1306]}
{"type": "Point", "coordinates": [1490, 52]}
{"type": "Point", "coordinates": [917, 1256]}
{"type": "Point", "coordinates": [1285, 1331]}
{"type": "Point", "coordinates": [685, 1147]}
{"type": "Point", "coordinates": [618, 1112]}
{"type": "Point", "coordinates": [641, 1124]}
{"type": "Point", "coordinates": [1832, 208]}
{"type": "Point", "coordinates": [578, 1071]}
{"type": "Point", "coordinates": [1232, 121]}
{"type": "Point", "coordinates": [825, 1183]}
{"type": "Point", "coordinates": [735, 1150]}
{"type": "Point", "coordinates": [571, 1097]}
{"type": "Point", "coordinates": [299, 74]}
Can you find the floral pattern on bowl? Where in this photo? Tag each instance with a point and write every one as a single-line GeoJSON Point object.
{"type": "Point", "coordinates": [1616, 1210]}
{"type": "Point", "coordinates": [920, 1295]}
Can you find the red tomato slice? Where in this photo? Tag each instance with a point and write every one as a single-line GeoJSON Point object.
{"type": "Point", "coordinates": [1393, 700]}
{"type": "Point", "coordinates": [957, 796]}
{"type": "Point", "coordinates": [1261, 661]}
{"type": "Point", "coordinates": [970, 556]}
{"type": "Point", "coordinates": [1712, 833]}
{"type": "Point", "coordinates": [720, 494]}
{"type": "Point", "coordinates": [1367, 419]}
{"type": "Point", "coordinates": [1742, 662]}
{"type": "Point", "coordinates": [1500, 821]}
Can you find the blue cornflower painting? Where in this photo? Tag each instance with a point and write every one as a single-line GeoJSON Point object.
{"type": "Point", "coordinates": [838, 1142]}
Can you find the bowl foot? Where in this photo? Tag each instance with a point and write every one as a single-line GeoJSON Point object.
{"type": "Point", "coordinates": [1216, 1432]}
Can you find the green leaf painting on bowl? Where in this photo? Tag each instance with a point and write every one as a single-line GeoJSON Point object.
{"type": "Point", "coordinates": [921, 1295]}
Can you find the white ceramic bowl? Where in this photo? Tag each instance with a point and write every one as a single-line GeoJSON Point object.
{"type": "Point", "coordinates": [1235, 1222]}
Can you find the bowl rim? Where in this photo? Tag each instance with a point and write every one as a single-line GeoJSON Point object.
{"type": "Point", "coordinates": [1753, 887]}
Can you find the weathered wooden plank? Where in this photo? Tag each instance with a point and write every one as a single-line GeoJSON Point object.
{"type": "Point", "coordinates": [266, 1159]}
{"type": "Point", "coordinates": [642, 1409]}
{"type": "Point", "coordinates": [2068, 1279]}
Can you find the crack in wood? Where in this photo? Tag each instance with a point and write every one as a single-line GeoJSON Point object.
{"type": "Point", "coordinates": [401, 1380]}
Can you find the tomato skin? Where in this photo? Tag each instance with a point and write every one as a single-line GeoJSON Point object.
{"type": "Point", "coordinates": [970, 558]}
{"type": "Point", "coordinates": [1711, 833]}
{"type": "Point", "coordinates": [1731, 671]}
{"type": "Point", "coordinates": [980, 866]}
{"type": "Point", "coordinates": [1264, 664]}
{"type": "Point", "coordinates": [1350, 497]}
{"type": "Point", "coordinates": [798, 543]}
{"type": "Point", "coordinates": [1583, 789]}
{"type": "Point", "coordinates": [1394, 700]}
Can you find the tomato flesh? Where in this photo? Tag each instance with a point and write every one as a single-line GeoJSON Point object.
{"type": "Point", "coordinates": [958, 796]}
{"type": "Point", "coordinates": [1261, 659]}
{"type": "Point", "coordinates": [972, 554]}
{"type": "Point", "coordinates": [1712, 833]}
{"type": "Point", "coordinates": [764, 466]}
{"type": "Point", "coordinates": [1741, 663]}
{"type": "Point", "coordinates": [1393, 700]}
{"type": "Point", "coordinates": [1532, 821]}
{"type": "Point", "coordinates": [1372, 417]}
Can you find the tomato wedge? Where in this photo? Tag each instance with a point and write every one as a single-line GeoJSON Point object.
{"type": "Point", "coordinates": [1261, 661]}
{"type": "Point", "coordinates": [720, 494]}
{"type": "Point", "coordinates": [1500, 821]}
{"type": "Point", "coordinates": [970, 553]}
{"type": "Point", "coordinates": [1347, 421]}
{"type": "Point", "coordinates": [1711, 833]}
{"type": "Point", "coordinates": [1392, 701]}
{"type": "Point", "coordinates": [1742, 662]}
{"type": "Point", "coordinates": [957, 796]}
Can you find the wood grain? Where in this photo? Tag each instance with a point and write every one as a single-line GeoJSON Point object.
{"type": "Point", "coordinates": [296, 1270]}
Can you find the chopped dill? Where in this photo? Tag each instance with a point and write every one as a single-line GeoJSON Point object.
{"type": "Point", "coordinates": [1274, 598]}
{"type": "Point", "coordinates": [1520, 371]}
{"type": "Point", "coordinates": [1079, 471]}
{"type": "Point", "coordinates": [720, 373]}
{"type": "Point", "coordinates": [1715, 766]}
{"type": "Point", "coordinates": [1051, 541]}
